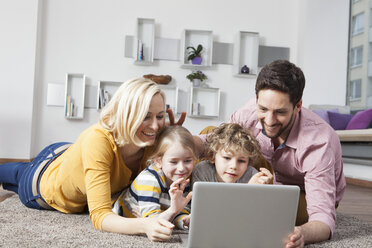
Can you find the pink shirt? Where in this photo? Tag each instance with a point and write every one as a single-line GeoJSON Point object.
{"type": "Point", "coordinates": [310, 158]}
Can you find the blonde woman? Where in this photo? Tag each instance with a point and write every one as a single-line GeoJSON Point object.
{"type": "Point", "coordinates": [103, 161]}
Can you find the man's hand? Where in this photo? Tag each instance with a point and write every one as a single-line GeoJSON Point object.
{"type": "Point", "coordinates": [295, 239]}
{"type": "Point", "coordinates": [180, 121]}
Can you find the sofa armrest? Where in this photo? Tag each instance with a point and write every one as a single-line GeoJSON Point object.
{"type": "Point", "coordinates": [356, 135]}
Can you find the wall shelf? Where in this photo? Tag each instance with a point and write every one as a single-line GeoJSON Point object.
{"type": "Point", "coordinates": [174, 98]}
{"type": "Point", "coordinates": [74, 95]}
{"type": "Point", "coordinates": [204, 102]}
{"type": "Point", "coordinates": [246, 53]}
{"type": "Point", "coordinates": [144, 41]}
{"type": "Point", "coordinates": [191, 37]}
{"type": "Point", "coordinates": [105, 91]}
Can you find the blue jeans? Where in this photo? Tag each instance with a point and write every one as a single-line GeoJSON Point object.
{"type": "Point", "coordinates": [18, 177]}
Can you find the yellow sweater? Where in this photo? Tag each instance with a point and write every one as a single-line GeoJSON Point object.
{"type": "Point", "coordinates": [88, 172]}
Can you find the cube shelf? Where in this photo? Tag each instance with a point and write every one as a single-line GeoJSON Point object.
{"type": "Point", "coordinates": [105, 91]}
{"type": "Point", "coordinates": [74, 95]}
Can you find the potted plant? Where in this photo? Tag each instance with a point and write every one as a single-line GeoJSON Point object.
{"type": "Point", "coordinates": [195, 54]}
{"type": "Point", "coordinates": [196, 77]}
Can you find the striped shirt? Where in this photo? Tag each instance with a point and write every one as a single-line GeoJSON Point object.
{"type": "Point", "coordinates": [148, 196]}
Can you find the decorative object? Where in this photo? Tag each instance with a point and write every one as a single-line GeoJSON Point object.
{"type": "Point", "coordinates": [245, 69]}
{"type": "Point", "coordinates": [195, 54]}
{"type": "Point", "coordinates": [196, 77]}
{"type": "Point", "coordinates": [160, 79]}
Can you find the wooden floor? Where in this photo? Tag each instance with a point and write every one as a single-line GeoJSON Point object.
{"type": "Point", "coordinates": [357, 202]}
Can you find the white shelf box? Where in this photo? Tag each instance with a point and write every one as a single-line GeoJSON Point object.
{"type": "Point", "coordinates": [204, 102]}
{"type": "Point", "coordinates": [105, 91]}
{"type": "Point", "coordinates": [194, 38]}
{"type": "Point", "coordinates": [246, 53]}
{"type": "Point", "coordinates": [74, 95]}
{"type": "Point", "coordinates": [175, 98]}
{"type": "Point", "coordinates": [144, 41]}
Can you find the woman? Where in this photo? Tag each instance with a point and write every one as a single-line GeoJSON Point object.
{"type": "Point", "coordinates": [103, 161]}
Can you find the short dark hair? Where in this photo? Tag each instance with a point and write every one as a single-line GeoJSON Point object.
{"type": "Point", "coordinates": [283, 76]}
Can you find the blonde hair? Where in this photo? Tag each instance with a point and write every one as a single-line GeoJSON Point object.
{"type": "Point", "coordinates": [128, 108]}
{"type": "Point", "coordinates": [168, 136]}
{"type": "Point", "coordinates": [232, 137]}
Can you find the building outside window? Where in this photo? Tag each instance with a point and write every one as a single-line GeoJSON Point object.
{"type": "Point", "coordinates": [357, 24]}
{"type": "Point", "coordinates": [355, 90]}
{"type": "Point", "coordinates": [356, 56]}
{"type": "Point", "coordinates": [359, 86]}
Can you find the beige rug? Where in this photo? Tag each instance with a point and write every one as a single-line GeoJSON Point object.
{"type": "Point", "coordinates": [24, 227]}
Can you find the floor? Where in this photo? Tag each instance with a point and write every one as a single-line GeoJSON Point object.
{"type": "Point", "coordinates": [357, 202]}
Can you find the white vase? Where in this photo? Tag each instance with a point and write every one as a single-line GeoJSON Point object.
{"type": "Point", "coordinates": [196, 82]}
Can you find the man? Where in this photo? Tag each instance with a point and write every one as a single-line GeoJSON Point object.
{"type": "Point", "coordinates": [302, 149]}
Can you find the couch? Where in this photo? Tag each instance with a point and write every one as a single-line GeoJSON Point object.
{"type": "Point", "coordinates": [353, 129]}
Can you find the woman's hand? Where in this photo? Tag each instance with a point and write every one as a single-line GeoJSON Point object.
{"type": "Point", "coordinates": [178, 201]}
{"type": "Point", "coordinates": [158, 229]}
{"type": "Point", "coordinates": [171, 118]}
{"type": "Point", "coordinates": [264, 176]}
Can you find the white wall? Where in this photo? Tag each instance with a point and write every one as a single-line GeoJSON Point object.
{"type": "Point", "coordinates": [18, 56]}
{"type": "Point", "coordinates": [322, 50]}
{"type": "Point", "coordinates": [87, 36]}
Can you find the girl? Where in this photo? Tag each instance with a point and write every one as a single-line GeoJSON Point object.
{"type": "Point", "coordinates": [231, 153]}
{"type": "Point", "coordinates": [104, 160]}
{"type": "Point", "coordinates": [162, 189]}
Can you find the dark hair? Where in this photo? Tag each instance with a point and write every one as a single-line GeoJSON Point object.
{"type": "Point", "coordinates": [232, 138]}
{"type": "Point", "coordinates": [283, 76]}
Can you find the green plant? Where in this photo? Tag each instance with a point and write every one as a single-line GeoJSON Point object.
{"type": "Point", "coordinates": [197, 75]}
{"type": "Point", "coordinates": [194, 52]}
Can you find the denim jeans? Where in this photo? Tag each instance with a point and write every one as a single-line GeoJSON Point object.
{"type": "Point", "coordinates": [17, 177]}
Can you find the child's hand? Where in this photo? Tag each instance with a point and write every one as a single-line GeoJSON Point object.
{"type": "Point", "coordinates": [178, 201]}
{"type": "Point", "coordinates": [262, 177]}
{"type": "Point", "coordinates": [186, 221]}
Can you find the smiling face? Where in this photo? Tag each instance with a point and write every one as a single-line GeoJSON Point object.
{"type": "Point", "coordinates": [276, 113]}
{"type": "Point", "coordinates": [230, 167]}
{"type": "Point", "coordinates": [153, 121]}
{"type": "Point", "coordinates": [177, 162]}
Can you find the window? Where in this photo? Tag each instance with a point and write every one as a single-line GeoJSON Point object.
{"type": "Point", "coordinates": [356, 56]}
{"type": "Point", "coordinates": [357, 24]}
{"type": "Point", "coordinates": [355, 89]}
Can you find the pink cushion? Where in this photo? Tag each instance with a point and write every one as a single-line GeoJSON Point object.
{"type": "Point", "coordinates": [360, 120]}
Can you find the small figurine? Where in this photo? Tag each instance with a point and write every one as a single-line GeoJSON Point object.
{"type": "Point", "coordinates": [245, 69]}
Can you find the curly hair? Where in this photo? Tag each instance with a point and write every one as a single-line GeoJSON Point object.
{"type": "Point", "coordinates": [232, 138]}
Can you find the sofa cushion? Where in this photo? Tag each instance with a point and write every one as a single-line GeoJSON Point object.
{"type": "Point", "coordinates": [370, 124]}
{"type": "Point", "coordinates": [339, 121]}
{"type": "Point", "coordinates": [341, 109]}
{"type": "Point", "coordinates": [323, 113]}
{"type": "Point", "coordinates": [360, 120]}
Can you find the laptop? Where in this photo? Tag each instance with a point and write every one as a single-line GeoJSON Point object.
{"type": "Point", "coordinates": [241, 215]}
